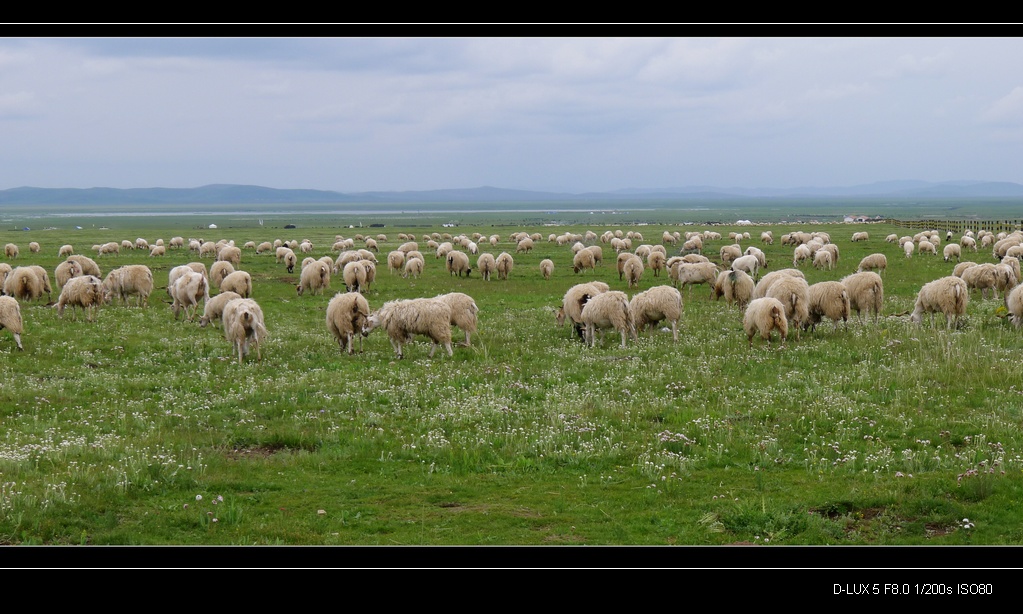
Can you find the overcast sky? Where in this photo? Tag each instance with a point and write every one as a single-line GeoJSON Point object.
{"type": "Point", "coordinates": [572, 115]}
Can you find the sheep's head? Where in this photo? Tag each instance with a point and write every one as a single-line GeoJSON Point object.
{"type": "Point", "coordinates": [370, 322]}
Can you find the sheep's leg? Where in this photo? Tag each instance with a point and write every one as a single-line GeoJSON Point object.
{"type": "Point", "coordinates": [17, 339]}
{"type": "Point", "coordinates": [447, 346]}
{"type": "Point", "coordinates": [674, 331]}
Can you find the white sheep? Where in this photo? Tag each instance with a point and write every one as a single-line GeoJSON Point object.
{"type": "Point", "coordinates": [315, 278]}
{"type": "Point", "coordinates": [505, 263]}
{"type": "Point", "coordinates": [11, 251]}
{"type": "Point", "coordinates": [239, 282]}
{"type": "Point", "coordinates": [873, 262]}
{"type": "Point", "coordinates": [962, 266]}
{"type": "Point", "coordinates": [127, 280]}
{"type": "Point", "coordinates": [583, 259]}
{"type": "Point", "coordinates": [794, 294]}
{"type": "Point", "coordinates": [860, 236]}
{"type": "Point", "coordinates": [926, 247]}
{"type": "Point", "coordinates": [1014, 304]}
{"type": "Point", "coordinates": [608, 310]}
{"type": "Point", "coordinates": [656, 304]}
{"type": "Point", "coordinates": [346, 318]}
{"type": "Point", "coordinates": [10, 318]}
{"type": "Point", "coordinates": [34, 247]}
{"type": "Point", "coordinates": [952, 250]}
{"type": "Point", "coordinates": [85, 291]}
{"type": "Point", "coordinates": [633, 270]}
{"type": "Point", "coordinates": [736, 286]}
{"type": "Point", "coordinates": [729, 253]}
{"type": "Point", "coordinates": [831, 299]}
{"type": "Point", "coordinates": [486, 264]}
{"type": "Point", "coordinates": [762, 316]}
{"type": "Point", "coordinates": [572, 305]}
{"type": "Point", "coordinates": [866, 293]}
{"type": "Point", "coordinates": [748, 264]}
{"type": "Point", "coordinates": [65, 271]}
{"type": "Point", "coordinates": [218, 271]}
{"type": "Point", "coordinates": [188, 289]}
{"type": "Point", "coordinates": [404, 319]}
{"type": "Point", "coordinates": [908, 248]}
{"type": "Point", "coordinates": [524, 246]}
{"type": "Point", "coordinates": [685, 274]}
{"type": "Point", "coordinates": [947, 295]}
{"type": "Point", "coordinates": [463, 313]}
{"type": "Point", "coordinates": [89, 266]}
{"type": "Point", "coordinates": [395, 261]}
{"type": "Point", "coordinates": [457, 263]}
{"type": "Point", "coordinates": [656, 261]}
{"type": "Point", "coordinates": [354, 275]}
{"type": "Point", "coordinates": [801, 254]}
{"type": "Point", "coordinates": [214, 308]}
{"type": "Point", "coordinates": [244, 326]}
{"type": "Point", "coordinates": [24, 284]}
{"type": "Point", "coordinates": [546, 268]}
{"type": "Point", "coordinates": [414, 268]}
{"type": "Point", "coordinates": [982, 277]}
{"type": "Point", "coordinates": [176, 242]}
{"type": "Point", "coordinates": [65, 250]}
{"type": "Point", "coordinates": [157, 251]}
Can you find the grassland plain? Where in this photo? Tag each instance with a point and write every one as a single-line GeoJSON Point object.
{"type": "Point", "coordinates": [139, 429]}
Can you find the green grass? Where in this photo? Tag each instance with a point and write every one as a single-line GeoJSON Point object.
{"type": "Point", "coordinates": [884, 433]}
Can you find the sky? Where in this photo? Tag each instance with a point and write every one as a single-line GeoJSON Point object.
{"type": "Point", "coordinates": [356, 114]}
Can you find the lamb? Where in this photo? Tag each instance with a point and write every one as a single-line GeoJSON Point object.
{"type": "Point", "coordinates": [952, 250]}
{"type": "Point", "coordinates": [873, 262]}
{"type": "Point", "coordinates": [214, 309]}
{"type": "Point", "coordinates": [65, 271]}
{"type": "Point", "coordinates": [831, 299]}
{"type": "Point", "coordinates": [239, 283]}
{"type": "Point", "coordinates": [947, 295]}
{"type": "Point", "coordinates": [85, 291]}
{"type": "Point", "coordinates": [218, 271]}
{"type": "Point", "coordinates": [346, 317]}
{"type": "Point", "coordinates": [486, 265]}
{"type": "Point", "coordinates": [794, 294]}
{"type": "Point", "coordinates": [244, 326]}
{"type": "Point", "coordinates": [764, 315]}
{"type": "Point", "coordinates": [11, 251]}
{"type": "Point", "coordinates": [127, 280]}
{"type": "Point", "coordinates": [583, 259]}
{"type": "Point", "coordinates": [574, 300]}
{"type": "Point", "coordinates": [463, 313]}
{"type": "Point", "coordinates": [505, 263]}
{"type": "Point", "coordinates": [457, 263]}
{"type": "Point", "coordinates": [10, 318]}
{"type": "Point", "coordinates": [404, 319]}
{"type": "Point", "coordinates": [736, 286]}
{"type": "Point", "coordinates": [413, 268]}
{"type": "Point", "coordinates": [656, 304]}
{"type": "Point", "coordinates": [546, 268]}
{"type": "Point", "coordinates": [866, 293]}
{"type": "Point", "coordinates": [608, 310]}
{"type": "Point", "coordinates": [633, 270]}
{"type": "Point", "coordinates": [24, 284]}
{"type": "Point", "coordinates": [188, 289]}
{"type": "Point", "coordinates": [89, 266]}
{"type": "Point", "coordinates": [316, 278]}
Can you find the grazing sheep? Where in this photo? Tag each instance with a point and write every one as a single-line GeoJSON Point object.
{"type": "Point", "coordinates": [729, 253]}
{"type": "Point", "coordinates": [608, 310]}
{"type": "Point", "coordinates": [764, 315]}
{"type": "Point", "coordinates": [218, 271]}
{"type": "Point", "coordinates": [524, 246]}
{"type": "Point", "coordinates": [463, 313]}
{"type": "Point", "coordinates": [10, 318]}
{"type": "Point", "coordinates": [831, 299]}
{"type": "Point", "coordinates": [157, 250]}
{"type": "Point", "coordinates": [239, 283]}
{"type": "Point", "coordinates": [176, 242]}
{"type": "Point", "coordinates": [315, 278]}
{"type": "Point", "coordinates": [794, 294]}
{"type": "Point", "coordinates": [822, 260]}
{"type": "Point", "coordinates": [346, 318]}
{"type": "Point", "coordinates": [354, 275]}
{"type": "Point", "coordinates": [127, 280]}
{"type": "Point", "coordinates": [962, 266]}
{"type": "Point", "coordinates": [5, 270]}
{"type": "Point", "coordinates": [546, 268]}
{"type": "Point", "coordinates": [244, 326]}
{"type": "Point", "coordinates": [952, 250]}
{"type": "Point", "coordinates": [89, 266]}
{"type": "Point", "coordinates": [85, 291]}
{"type": "Point", "coordinates": [947, 295]}
{"type": "Point", "coordinates": [766, 281]}
{"type": "Point", "coordinates": [633, 270]}
{"type": "Point", "coordinates": [395, 261]}
{"type": "Point", "coordinates": [583, 259]}
{"type": "Point", "coordinates": [866, 293]}
{"type": "Point", "coordinates": [65, 250]}
{"type": "Point", "coordinates": [748, 264]}
{"type": "Point", "coordinates": [860, 236]}
{"type": "Point", "coordinates": [65, 271]}
{"type": "Point", "coordinates": [968, 243]}
{"type": "Point", "coordinates": [908, 247]}
{"type": "Point", "coordinates": [656, 304]}
{"type": "Point", "coordinates": [1014, 304]}
{"type": "Point", "coordinates": [505, 263]}
{"type": "Point", "coordinates": [873, 262]}
{"type": "Point", "coordinates": [572, 305]}
{"type": "Point", "coordinates": [11, 251]}
{"type": "Point", "coordinates": [684, 274]}
{"type": "Point", "coordinates": [404, 319]}
{"type": "Point", "coordinates": [736, 286]}
{"type": "Point", "coordinates": [926, 247]}
{"type": "Point", "coordinates": [767, 237]}
{"type": "Point", "coordinates": [33, 247]}
{"type": "Point", "coordinates": [801, 254]}
{"type": "Point", "coordinates": [656, 260]}
{"type": "Point", "coordinates": [457, 263]}
{"type": "Point", "coordinates": [188, 289]}
{"type": "Point", "coordinates": [598, 254]}
{"type": "Point", "coordinates": [214, 308]}
{"type": "Point", "coordinates": [623, 257]}
{"type": "Point", "coordinates": [486, 264]}
{"type": "Point", "coordinates": [413, 268]}
{"type": "Point", "coordinates": [127, 245]}
{"type": "Point", "coordinates": [24, 284]}
{"type": "Point", "coordinates": [230, 253]}
{"type": "Point", "coordinates": [981, 277]}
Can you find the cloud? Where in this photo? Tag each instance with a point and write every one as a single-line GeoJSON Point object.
{"type": "Point", "coordinates": [1006, 110]}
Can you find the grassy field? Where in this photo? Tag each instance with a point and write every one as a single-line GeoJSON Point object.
{"type": "Point", "coordinates": [140, 429]}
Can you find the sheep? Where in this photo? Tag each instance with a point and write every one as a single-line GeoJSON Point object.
{"type": "Point", "coordinates": [873, 262]}
{"type": "Point", "coordinates": [800, 254]}
{"type": "Point", "coordinates": [10, 318]}
{"type": "Point", "coordinates": [463, 313]}
{"type": "Point", "coordinates": [11, 251]}
{"type": "Point", "coordinates": [729, 253]}
{"type": "Point", "coordinates": [866, 293]}
{"type": "Point", "coordinates": [65, 271]}
{"type": "Point", "coordinates": [505, 263]}
{"type": "Point", "coordinates": [608, 310]}
{"type": "Point", "coordinates": [65, 250]}
{"type": "Point", "coordinates": [908, 248]}
{"type": "Point", "coordinates": [684, 273]}
{"type": "Point", "coordinates": [656, 304]}
{"type": "Point", "coordinates": [926, 247]}
{"type": "Point", "coordinates": [633, 270]}
{"type": "Point", "coordinates": [404, 319]}
{"type": "Point", "coordinates": [239, 283]}
{"type": "Point", "coordinates": [822, 260]}
{"type": "Point", "coordinates": [1006, 277]}
{"type": "Point", "coordinates": [127, 280]}
{"type": "Point", "coordinates": [244, 326]}
{"type": "Point", "coordinates": [487, 264]}
{"type": "Point", "coordinates": [85, 291]}
{"type": "Point", "coordinates": [766, 281]}
{"type": "Point", "coordinates": [748, 264]}
{"type": "Point", "coordinates": [572, 305]}
{"type": "Point", "coordinates": [524, 246]}
{"type": "Point", "coordinates": [962, 266]}
{"type": "Point", "coordinates": [218, 271]}
{"type": "Point", "coordinates": [24, 284]}
{"type": "Point", "coordinates": [230, 253]}
{"type": "Point", "coordinates": [457, 263]}
{"type": "Point", "coordinates": [395, 261]}
{"type": "Point", "coordinates": [141, 243]}
{"type": "Point", "coordinates": [290, 259]}
{"type": "Point", "coordinates": [316, 278]}
{"type": "Point", "coordinates": [33, 247]}
{"type": "Point", "coordinates": [623, 257]}
{"type": "Point", "coordinates": [794, 294]}
{"type": "Point", "coordinates": [860, 236]}
{"type": "Point", "coordinates": [767, 237]}
{"type": "Point", "coordinates": [946, 295]}
{"type": "Point", "coordinates": [157, 250]}
{"type": "Point", "coordinates": [764, 315]}
{"type": "Point", "coordinates": [346, 318]}
{"type": "Point", "coordinates": [354, 275]}
{"type": "Point", "coordinates": [657, 261]}
{"type": "Point", "coordinates": [583, 259]}
{"type": "Point", "coordinates": [214, 308]}
{"type": "Point", "coordinates": [981, 277]}
{"type": "Point", "coordinates": [5, 270]}
{"type": "Point", "coordinates": [546, 268]}
{"type": "Point", "coordinates": [1013, 303]}
{"type": "Point", "coordinates": [89, 266]}
{"type": "Point", "coordinates": [44, 277]}
{"type": "Point", "coordinates": [413, 268]}
{"type": "Point", "coordinates": [968, 243]}
{"type": "Point", "coordinates": [736, 286]}
{"type": "Point", "coordinates": [188, 289]}
{"type": "Point", "coordinates": [831, 299]}
{"type": "Point", "coordinates": [127, 245]}
{"type": "Point", "coordinates": [176, 242]}
{"type": "Point", "coordinates": [952, 250]}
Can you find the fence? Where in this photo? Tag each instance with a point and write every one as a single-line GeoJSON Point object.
{"type": "Point", "coordinates": [960, 226]}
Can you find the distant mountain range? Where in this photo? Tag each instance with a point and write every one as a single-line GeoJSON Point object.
{"type": "Point", "coordinates": [250, 194]}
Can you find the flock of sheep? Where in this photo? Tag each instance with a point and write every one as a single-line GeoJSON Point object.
{"type": "Point", "coordinates": [779, 302]}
